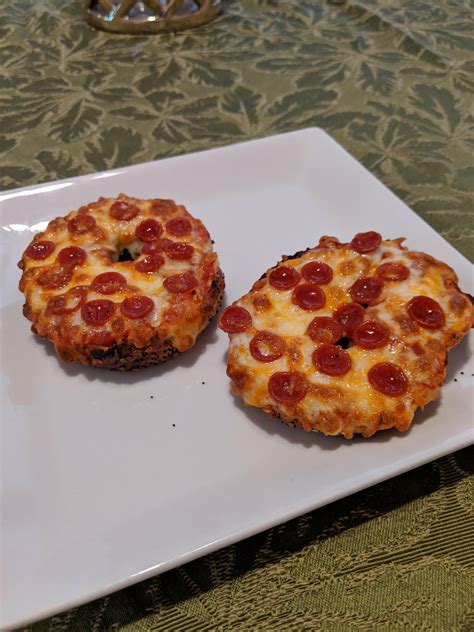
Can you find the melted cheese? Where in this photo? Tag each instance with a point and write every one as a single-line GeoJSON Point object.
{"type": "Point", "coordinates": [349, 404]}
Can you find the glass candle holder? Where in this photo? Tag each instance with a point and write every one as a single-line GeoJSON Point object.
{"type": "Point", "coordinates": [150, 16]}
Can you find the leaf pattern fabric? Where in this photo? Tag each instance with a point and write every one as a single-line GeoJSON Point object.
{"type": "Point", "coordinates": [391, 81]}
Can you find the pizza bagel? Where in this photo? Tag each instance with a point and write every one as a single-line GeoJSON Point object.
{"type": "Point", "coordinates": [122, 283]}
{"type": "Point", "coordinates": [346, 338]}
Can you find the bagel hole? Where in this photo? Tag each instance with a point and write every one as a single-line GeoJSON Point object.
{"type": "Point", "coordinates": [125, 255]}
{"type": "Point", "coordinates": [344, 342]}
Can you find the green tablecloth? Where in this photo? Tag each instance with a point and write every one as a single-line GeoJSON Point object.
{"type": "Point", "coordinates": [393, 82]}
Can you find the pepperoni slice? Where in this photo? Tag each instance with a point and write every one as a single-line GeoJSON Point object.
{"type": "Point", "coordinates": [137, 306]}
{"type": "Point", "coordinates": [284, 277]}
{"type": "Point", "coordinates": [234, 319]}
{"type": "Point", "coordinates": [54, 278]}
{"type": "Point", "coordinates": [179, 226]}
{"type": "Point", "coordinates": [108, 283]}
{"type": "Point", "coordinates": [177, 250]}
{"type": "Point", "coordinates": [267, 347]}
{"type": "Point", "coordinates": [366, 242]}
{"type": "Point", "coordinates": [426, 312]}
{"type": "Point", "coordinates": [150, 263]}
{"type": "Point", "coordinates": [366, 290]}
{"type": "Point", "coordinates": [147, 249]}
{"type": "Point", "coordinates": [148, 230]}
{"type": "Point", "coordinates": [288, 387]}
{"type": "Point", "coordinates": [160, 206]}
{"type": "Point", "coordinates": [324, 329]}
{"type": "Point", "coordinates": [349, 316]}
{"type": "Point", "coordinates": [160, 245]}
{"type": "Point", "coordinates": [388, 378]}
{"type": "Point", "coordinates": [371, 335]}
{"type": "Point", "coordinates": [179, 283]}
{"type": "Point", "coordinates": [67, 303]}
{"type": "Point", "coordinates": [98, 312]}
{"type": "Point", "coordinates": [101, 338]}
{"type": "Point", "coordinates": [317, 272]}
{"type": "Point", "coordinates": [40, 250]}
{"type": "Point", "coordinates": [72, 256]}
{"type": "Point", "coordinates": [309, 297]}
{"type": "Point", "coordinates": [81, 224]}
{"type": "Point", "coordinates": [123, 210]}
{"type": "Point", "coordinates": [393, 271]}
{"type": "Point", "coordinates": [332, 360]}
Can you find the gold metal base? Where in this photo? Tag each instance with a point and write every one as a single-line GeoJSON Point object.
{"type": "Point", "coordinates": [150, 16]}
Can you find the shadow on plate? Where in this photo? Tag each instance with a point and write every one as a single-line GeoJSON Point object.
{"type": "Point", "coordinates": [183, 360]}
{"type": "Point", "coordinates": [458, 359]}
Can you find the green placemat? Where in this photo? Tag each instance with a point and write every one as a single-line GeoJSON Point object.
{"type": "Point", "coordinates": [393, 82]}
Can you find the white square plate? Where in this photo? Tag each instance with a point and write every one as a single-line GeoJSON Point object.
{"type": "Point", "coordinates": [103, 486]}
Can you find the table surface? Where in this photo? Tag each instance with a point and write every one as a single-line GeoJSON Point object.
{"type": "Point", "coordinates": [393, 82]}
